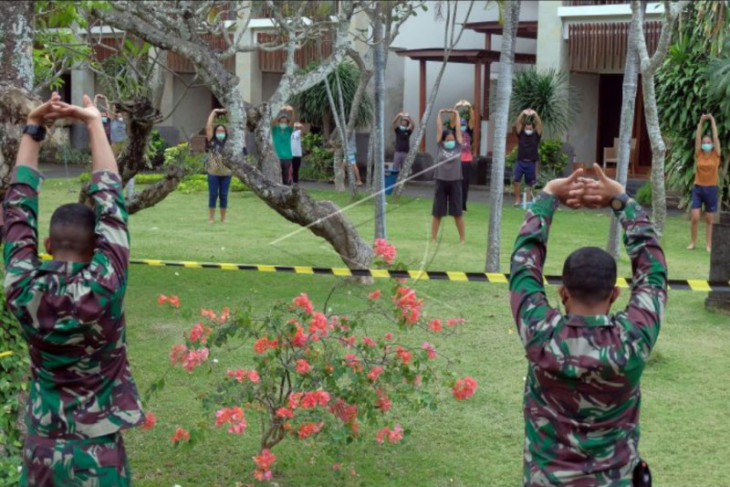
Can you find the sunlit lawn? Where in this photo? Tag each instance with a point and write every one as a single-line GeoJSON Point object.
{"type": "Point", "coordinates": [685, 412]}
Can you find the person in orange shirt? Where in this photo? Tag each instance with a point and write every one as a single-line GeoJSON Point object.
{"type": "Point", "coordinates": [705, 192]}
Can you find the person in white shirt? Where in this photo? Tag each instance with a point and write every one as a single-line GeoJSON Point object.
{"type": "Point", "coordinates": [296, 150]}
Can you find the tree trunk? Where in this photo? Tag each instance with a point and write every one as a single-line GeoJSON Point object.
{"type": "Point", "coordinates": [648, 66]}
{"type": "Point", "coordinates": [379, 126]}
{"type": "Point", "coordinates": [16, 80]}
{"type": "Point", "coordinates": [501, 125]}
{"type": "Point", "coordinates": [658, 151]}
{"type": "Point", "coordinates": [628, 105]}
{"type": "Point", "coordinates": [157, 192]}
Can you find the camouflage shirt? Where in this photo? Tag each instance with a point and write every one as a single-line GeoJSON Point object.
{"type": "Point", "coordinates": [72, 316]}
{"type": "Point", "coordinates": [582, 394]}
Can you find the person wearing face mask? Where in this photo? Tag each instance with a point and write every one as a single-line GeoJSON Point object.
{"type": "Point", "coordinates": [403, 126]}
{"type": "Point", "coordinates": [219, 176]}
{"type": "Point", "coordinates": [704, 192]}
{"type": "Point", "coordinates": [528, 136]}
{"type": "Point", "coordinates": [447, 198]}
{"type": "Point", "coordinates": [281, 133]}
{"type": "Point", "coordinates": [466, 161]}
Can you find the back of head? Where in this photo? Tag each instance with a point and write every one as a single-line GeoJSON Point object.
{"type": "Point", "coordinates": [589, 275]}
{"type": "Point", "coordinates": [72, 230]}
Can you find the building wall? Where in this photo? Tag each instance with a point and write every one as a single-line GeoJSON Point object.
{"type": "Point", "coordinates": [192, 112]}
{"type": "Point", "coordinates": [582, 136]}
{"type": "Point", "coordinates": [425, 31]}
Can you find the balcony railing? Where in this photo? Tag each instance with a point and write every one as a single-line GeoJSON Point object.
{"type": "Point", "coordinates": [591, 3]}
{"type": "Point", "coordinates": [599, 47]}
{"type": "Point", "coordinates": [273, 61]}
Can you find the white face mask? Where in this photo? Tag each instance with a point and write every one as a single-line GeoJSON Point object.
{"type": "Point", "coordinates": [529, 132]}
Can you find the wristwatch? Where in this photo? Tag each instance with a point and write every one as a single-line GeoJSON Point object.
{"type": "Point", "coordinates": [37, 132]}
{"type": "Point", "coordinates": [618, 202]}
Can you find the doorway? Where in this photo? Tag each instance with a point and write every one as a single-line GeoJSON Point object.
{"type": "Point", "coordinates": [610, 95]}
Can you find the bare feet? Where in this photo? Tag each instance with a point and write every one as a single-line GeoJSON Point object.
{"type": "Point", "coordinates": [709, 249]}
{"type": "Point", "coordinates": [210, 221]}
{"type": "Point", "coordinates": [691, 246]}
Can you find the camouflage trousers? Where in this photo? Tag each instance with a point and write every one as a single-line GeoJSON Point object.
{"type": "Point", "coordinates": [90, 462]}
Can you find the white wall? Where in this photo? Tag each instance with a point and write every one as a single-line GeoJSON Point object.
{"type": "Point", "coordinates": [425, 31]}
{"type": "Point", "coordinates": [192, 112]}
{"type": "Point", "coordinates": [582, 136]}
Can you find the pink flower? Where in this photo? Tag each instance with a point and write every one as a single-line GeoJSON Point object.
{"type": "Point", "coordinates": [318, 324]}
{"type": "Point", "coordinates": [374, 295]}
{"type": "Point", "coordinates": [264, 461]}
{"type": "Point", "coordinates": [375, 373]}
{"type": "Point", "coordinates": [353, 362]}
{"type": "Point", "coordinates": [303, 366]}
{"type": "Point", "coordinates": [435, 325]}
{"type": "Point", "coordinates": [315, 398]}
{"type": "Point", "coordinates": [174, 301]}
{"type": "Point", "coordinates": [403, 354]}
{"type": "Point", "coordinates": [233, 416]}
{"type": "Point", "coordinates": [393, 436]}
{"type": "Point", "coordinates": [369, 342]}
{"type": "Point", "coordinates": [336, 466]}
{"type": "Point", "coordinates": [200, 332]}
{"type": "Point", "coordinates": [384, 403]}
{"type": "Point", "coordinates": [410, 306]}
{"type": "Point", "coordinates": [308, 429]}
{"type": "Point", "coordinates": [284, 413]}
{"type": "Point", "coordinates": [162, 299]}
{"type": "Point", "coordinates": [464, 388]}
{"type": "Point", "coordinates": [384, 250]}
{"type": "Point", "coordinates": [346, 412]}
{"type": "Point", "coordinates": [263, 344]}
{"type": "Point", "coordinates": [253, 376]}
{"type": "Point", "coordinates": [178, 353]}
{"type": "Point", "coordinates": [348, 342]}
{"type": "Point", "coordinates": [180, 435]}
{"type": "Point", "coordinates": [388, 336]}
{"type": "Point", "coordinates": [430, 350]}
{"type": "Point", "coordinates": [208, 313]}
{"type": "Point", "coordinates": [150, 420]}
{"type": "Point", "coordinates": [300, 338]}
{"type": "Point", "coordinates": [194, 359]}
{"type": "Point", "coordinates": [302, 301]}
{"type": "Point", "coordinates": [451, 322]}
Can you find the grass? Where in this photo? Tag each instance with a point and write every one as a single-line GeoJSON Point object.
{"type": "Point", "coordinates": [685, 416]}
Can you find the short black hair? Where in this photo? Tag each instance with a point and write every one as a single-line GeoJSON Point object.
{"type": "Point", "coordinates": [446, 133]}
{"type": "Point", "coordinates": [589, 275]}
{"type": "Point", "coordinates": [73, 229]}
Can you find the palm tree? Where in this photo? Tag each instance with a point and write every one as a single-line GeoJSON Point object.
{"type": "Point", "coordinates": [550, 95]}
{"type": "Point", "coordinates": [313, 105]}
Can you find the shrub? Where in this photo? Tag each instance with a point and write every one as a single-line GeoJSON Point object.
{"type": "Point", "coordinates": [643, 195]}
{"type": "Point", "coordinates": [316, 378]}
{"type": "Point", "coordinates": [552, 160]}
{"type": "Point", "coordinates": [14, 373]}
{"type": "Point", "coordinates": [156, 149]}
{"type": "Point", "coordinates": [180, 155]}
{"type": "Point", "coordinates": [317, 163]}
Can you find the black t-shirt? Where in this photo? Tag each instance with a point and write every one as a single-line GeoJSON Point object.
{"type": "Point", "coordinates": [527, 146]}
{"type": "Point", "coordinates": [402, 140]}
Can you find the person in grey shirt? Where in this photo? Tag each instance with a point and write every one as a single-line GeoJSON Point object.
{"type": "Point", "coordinates": [447, 198]}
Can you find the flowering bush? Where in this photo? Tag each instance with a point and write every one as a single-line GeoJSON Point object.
{"type": "Point", "coordinates": [321, 378]}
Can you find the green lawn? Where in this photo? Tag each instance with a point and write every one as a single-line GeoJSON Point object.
{"type": "Point", "coordinates": [685, 414]}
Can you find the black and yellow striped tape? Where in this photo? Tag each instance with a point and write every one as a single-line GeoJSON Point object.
{"type": "Point", "coordinates": [458, 276]}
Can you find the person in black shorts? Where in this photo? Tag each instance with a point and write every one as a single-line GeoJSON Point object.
{"type": "Point", "coordinates": [528, 136]}
{"type": "Point", "coordinates": [447, 198]}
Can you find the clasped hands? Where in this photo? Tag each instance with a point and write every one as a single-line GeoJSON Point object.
{"type": "Point", "coordinates": [578, 191]}
{"type": "Point", "coordinates": [54, 109]}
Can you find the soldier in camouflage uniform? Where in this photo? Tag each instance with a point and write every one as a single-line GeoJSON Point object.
{"type": "Point", "coordinates": [582, 395]}
{"type": "Point", "coordinates": [71, 312]}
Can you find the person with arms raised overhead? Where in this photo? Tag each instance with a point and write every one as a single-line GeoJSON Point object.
{"type": "Point", "coordinates": [71, 311]}
{"type": "Point", "coordinates": [582, 395]}
{"type": "Point", "coordinates": [528, 139]}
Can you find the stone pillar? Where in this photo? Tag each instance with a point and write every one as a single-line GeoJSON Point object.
{"type": "Point", "coordinates": [82, 83]}
{"type": "Point", "coordinates": [720, 263]}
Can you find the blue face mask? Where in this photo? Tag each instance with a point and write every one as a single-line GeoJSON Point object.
{"type": "Point", "coordinates": [220, 136]}
{"type": "Point", "coordinates": [707, 147]}
{"type": "Point", "coordinates": [463, 128]}
{"type": "Point", "coordinates": [449, 144]}
{"type": "Point", "coordinates": [282, 126]}
{"type": "Point", "coordinates": [403, 127]}
{"type": "Point", "coordinates": [104, 119]}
